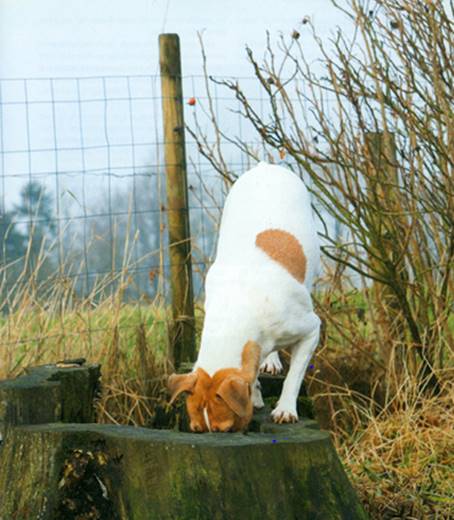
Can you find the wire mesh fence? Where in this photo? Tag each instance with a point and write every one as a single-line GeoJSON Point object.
{"type": "Point", "coordinates": [81, 166]}
{"type": "Point", "coordinates": [92, 151]}
{"type": "Point", "coordinates": [82, 180]}
{"type": "Point", "coordinates": [83, 210]}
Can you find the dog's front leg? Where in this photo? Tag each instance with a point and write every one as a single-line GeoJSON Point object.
{"type": "Point", "coordinates": [257, 399]}
{"type": "Point", "coordinates": [285, 411]}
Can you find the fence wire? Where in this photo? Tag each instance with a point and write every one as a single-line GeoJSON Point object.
{"type": "Point", "coordinates": [82, 180]}
{"type": "Point", "coordinates": [81, 166]}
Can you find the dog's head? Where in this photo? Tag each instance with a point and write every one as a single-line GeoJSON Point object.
{"type": "Point", "coordinates": [220, 403]}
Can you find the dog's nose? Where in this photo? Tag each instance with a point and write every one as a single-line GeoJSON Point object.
{"type": "Point", "coordinates": [196, 427]}
{"type": "Point", "coordinates": [221, 430]}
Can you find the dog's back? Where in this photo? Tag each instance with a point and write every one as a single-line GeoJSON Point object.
{"type": "Point", "coordinates": [267, 216]}
{"type": "Point", "coordinates": [268, 254]}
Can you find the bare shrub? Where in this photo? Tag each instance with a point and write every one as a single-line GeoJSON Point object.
{"type": "Point", "coordinates": [372, 127]}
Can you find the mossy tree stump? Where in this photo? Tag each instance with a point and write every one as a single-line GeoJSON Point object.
{"type": "Point", "coordinates": [50, 393]}
{"type": "Point", "coordinates": [63, 470]}
{"type": "Point", "coordinates": [79, 471]}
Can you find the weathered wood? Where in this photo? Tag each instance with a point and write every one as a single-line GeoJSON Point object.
{"type": "Point", "coordinates": [49, 394]}
{"type": "Point", "coordinates": [73, 471]}
{"type": "Point", "coordinates": [182, 331]}
{"type": "Point", "coordinates": [382, 183]}
{"type": "Point", "coordinates": [60, 471]}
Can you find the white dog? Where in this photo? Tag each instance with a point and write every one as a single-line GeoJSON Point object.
{"type": "Point", "coordinates": [257, 302]}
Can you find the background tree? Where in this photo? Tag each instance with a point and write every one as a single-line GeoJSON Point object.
{"type": "Point", "coordinates": [124, 239]}
{"type": "Point", "coordinates": [12, 240]}
{"type": "Point", "coordinates": [35, 213]}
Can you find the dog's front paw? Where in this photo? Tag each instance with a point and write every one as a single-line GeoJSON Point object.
{"type": "Point", "coordinates": [257, 399]}
{"type": "Point", "coordinates": [283, 414]}
{"type": "Point", "coordinates": [272, 364]}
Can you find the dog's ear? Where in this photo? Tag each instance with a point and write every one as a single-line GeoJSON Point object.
{"type": "Point", "coordinates": [179, 383]}
{"type": "Point", "coordinates": [236, 392]}
{"type": "Point", "coordinates": [250, 360]}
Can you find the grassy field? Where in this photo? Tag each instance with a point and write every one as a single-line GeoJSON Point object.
{"type": "Point", "coordinates": [397, 443]}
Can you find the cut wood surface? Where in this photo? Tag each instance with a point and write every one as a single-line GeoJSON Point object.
{"type": "Point", "coordinates": [49, 393]}
{"type": "Point", "coordinates": [116, 472]}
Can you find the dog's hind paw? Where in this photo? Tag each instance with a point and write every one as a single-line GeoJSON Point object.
{"type": "Point", "coordinates": [272, 364]}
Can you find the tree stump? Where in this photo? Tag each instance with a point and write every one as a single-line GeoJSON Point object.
{"type": "Point", "coordinates": [80, 471]}
{"type": "Point", "coordinates": [50, 393]}
{"type": "Point", "coordinates": [65, 471]}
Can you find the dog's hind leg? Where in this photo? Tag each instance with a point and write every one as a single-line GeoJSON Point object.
{"type": "Point", "coordinates": [257, 399]}
{"type": "Point", "coordinates": [272, 364]}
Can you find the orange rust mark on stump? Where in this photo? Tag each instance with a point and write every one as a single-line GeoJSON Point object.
{"type": "Point", "coordinates": [284, 248]}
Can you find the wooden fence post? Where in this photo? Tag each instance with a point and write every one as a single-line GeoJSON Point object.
{"type": "Point", "coordinates": [182, 330]}
{"type": "Point", "coordinates": [381, 148]}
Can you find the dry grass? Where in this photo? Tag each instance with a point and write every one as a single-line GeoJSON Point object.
{"type": "Point", "coordinates": [402, 462]}
{"type": "Point", "coordinates": [397, 442]}
{"type": "Point", "coordinates": [400, 456]}
{"type": "Point", "coordinates": [394, 434]}
{"type": "Point", "coordinates": [46, 321]}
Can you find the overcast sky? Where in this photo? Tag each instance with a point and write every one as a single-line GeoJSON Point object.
{"type": "Point", "coordinates": [89, 140]}
{"type": "Point", "coordinates": [53, 38]}
{"type": "Point", "coordinates": [85, 38]}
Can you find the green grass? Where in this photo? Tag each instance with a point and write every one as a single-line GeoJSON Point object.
{"type": "Point", "coordinates": [39, 336]}
{"type": "Point", "coordinates": [398, 453]}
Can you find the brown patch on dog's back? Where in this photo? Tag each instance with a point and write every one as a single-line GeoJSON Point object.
{"type": "Point", "coordinates": [285, 249]}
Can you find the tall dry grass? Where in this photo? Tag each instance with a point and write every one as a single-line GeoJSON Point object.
{"type": "Point", "coordinates": [395, 440]}
{"type": "Point", "coordinates": [45, 320]}
{"type": "Point", "coordinates": [395, 437]}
